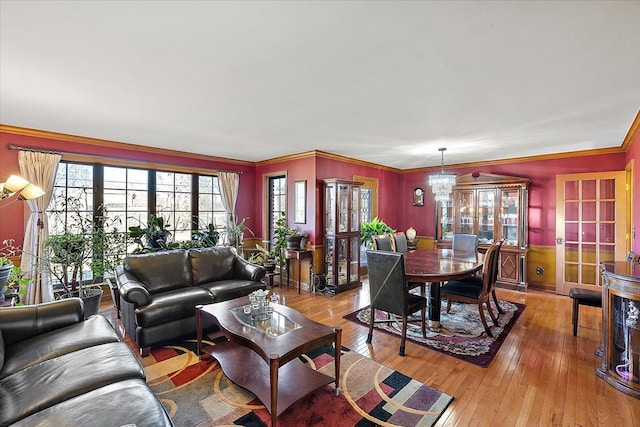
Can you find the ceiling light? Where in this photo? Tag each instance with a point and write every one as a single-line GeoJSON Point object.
{"type": "Point", "coordinates": [442, 183]}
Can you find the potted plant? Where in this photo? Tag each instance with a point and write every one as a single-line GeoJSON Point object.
{"type": "Point", "coordinates": [152, 237]}
{"type": "Point", "coordinates": [86, 242]}
{"type": "Point", "coordinates": [263, 257]}
{"type": "Point", "coordinates": [375, 227]}
{"type": "Point", "coordinates": [235, 232]}
{"type": "Point", "coordinates": [285, 237]}
{"type": "Point", "coordinates": [207, 237]}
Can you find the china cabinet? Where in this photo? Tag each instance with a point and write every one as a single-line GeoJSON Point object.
{"type": "Point", "coordinates": [621, 326]}
{"type": "Point", "coordinates": [493, 207]}
{"type": "Point", "coordinates": [342, 233]}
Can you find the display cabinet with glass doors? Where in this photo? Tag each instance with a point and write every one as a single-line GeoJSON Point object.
{"type": "Point", "coordinates": [620, 361]}
{"type": "Point", "coordinates": [342, 233]}
{"type": "Point", "coordinates": [493, 207]}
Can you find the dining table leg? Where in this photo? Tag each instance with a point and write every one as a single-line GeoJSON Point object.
{"type": "Point", "coordinates": [434, 307]}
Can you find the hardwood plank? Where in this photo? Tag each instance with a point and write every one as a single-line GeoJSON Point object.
{"type": "Point", "coordinates": [542, 374]}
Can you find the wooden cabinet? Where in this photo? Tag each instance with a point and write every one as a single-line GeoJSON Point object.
{"type": "Point", "coordinates": [621, 326]}
{"type": "Point", "coordinates": [342, 233]}
{"type": "Point", "coordinates": [493, 207]}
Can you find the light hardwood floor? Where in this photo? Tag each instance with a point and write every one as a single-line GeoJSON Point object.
{"type": "Point", "coordinates": [541, 376]}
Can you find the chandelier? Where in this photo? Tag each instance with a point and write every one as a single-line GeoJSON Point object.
{"type": "Point", "coordinates": [442, 183]}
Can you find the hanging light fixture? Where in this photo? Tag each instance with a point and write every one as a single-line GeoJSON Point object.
{"type": "Point", "coordinates": [442, 183]}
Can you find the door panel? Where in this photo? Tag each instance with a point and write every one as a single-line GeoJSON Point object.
{"type": "Point", "coordinates": [591, 226]}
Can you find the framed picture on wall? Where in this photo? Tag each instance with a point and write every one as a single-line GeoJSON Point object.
{"type": "Point", "coordinates": [300, 202]}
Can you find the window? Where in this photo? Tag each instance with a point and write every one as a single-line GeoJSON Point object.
{"type": "Point", "coordinates": [277, 201]}
{"type": "Point", "coordinates": [186, 201]}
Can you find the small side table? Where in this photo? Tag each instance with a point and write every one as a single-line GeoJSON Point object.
{"type": "Point", "coordinates": [299, 254]}
{"type": "Point", "coordinates": [269, 279]}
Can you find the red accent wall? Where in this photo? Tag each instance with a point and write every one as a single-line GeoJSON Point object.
{"type": "Point", "coordinates": [302, 169]}
{"type": "Point", "coordinates": [633, 153]}
{"type": "Point", "coordinates": [13, 218]}
{"type": "Point", "coordinates": [542, 191]}
{"type": "Point", "coordinates": [395, 202]}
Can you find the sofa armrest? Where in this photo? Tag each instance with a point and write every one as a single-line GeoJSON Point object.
{"type": "Point", "coordinates": [130, 288]}
{"type": "Point", "coordinates": [23, 322]}
{"type": "Point", "coordinates": [243, 269]}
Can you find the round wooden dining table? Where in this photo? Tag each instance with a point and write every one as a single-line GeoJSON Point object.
{"type": "Point", "coordinates": [434, 266]}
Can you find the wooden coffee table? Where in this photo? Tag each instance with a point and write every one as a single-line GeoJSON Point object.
{"type": "Point", "coordinates": [262, 356]}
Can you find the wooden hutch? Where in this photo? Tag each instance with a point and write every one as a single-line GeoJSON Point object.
{"type": "Point", "coordinates": [493, 207]}
{"type": "Point", "coordinates": [342, 233]}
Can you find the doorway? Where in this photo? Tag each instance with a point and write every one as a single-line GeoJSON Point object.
{"type": "Point", "coordinates": [591, 226]}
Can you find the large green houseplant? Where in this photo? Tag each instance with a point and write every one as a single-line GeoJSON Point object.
{"type": "Point", "coordinates": [86, 242]}
{"type": "Point", "coordinates": [375, 227]}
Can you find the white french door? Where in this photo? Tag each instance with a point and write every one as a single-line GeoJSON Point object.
{"type": "Point", "coordinates": [591, 226]}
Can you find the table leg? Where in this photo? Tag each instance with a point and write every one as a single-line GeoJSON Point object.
{"type": "Point", "coordinates": [299, 274]}
{"type": "Point", "coordinates": [288, 267]}
{"type": "Point", "coordinates": [338, 352]}
{"type": "Point", "coordinates": [434, 306]}
{"type": "Point", "coordinates": [274, 365]}
{"type": "Point", "coordinates": [199, 330]}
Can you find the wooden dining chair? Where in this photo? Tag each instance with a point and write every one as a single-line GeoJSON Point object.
{"type": "Point", "coordinates": [464, 242]}
{"type": "Point", "coordinates": [383, 242]}
{"type": "Point", "coordinates": [466, 291]}
{"type": "Point", "coordinates": [389, 292]}
{"type": "Point", "coordinates": [400, 242]}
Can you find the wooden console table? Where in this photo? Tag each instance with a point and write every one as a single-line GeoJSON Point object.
{"type": "Point", "coordinates": [299, 254]}
{"type": "Point", "coordinates": [621, 326]}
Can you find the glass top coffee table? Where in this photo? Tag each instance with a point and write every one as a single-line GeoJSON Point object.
{"type": "Point", "coordinates": [262, 355]}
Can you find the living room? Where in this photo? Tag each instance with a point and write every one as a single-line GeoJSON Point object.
{"type": "Point", "coordinates": [614, 149]}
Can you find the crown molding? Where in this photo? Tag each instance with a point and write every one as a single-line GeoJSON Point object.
{"type": "Point", "coordinates": [595, 152]}
{"type": "Point", "coordinates": [16, 130]}
{"type": "Point", "coordinates": [634, 130]}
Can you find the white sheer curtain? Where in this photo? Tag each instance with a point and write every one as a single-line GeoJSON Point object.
{"type": "Point", "coordinates": [39, 169]}
{"type": "Point", "coordinates": [229, 182]}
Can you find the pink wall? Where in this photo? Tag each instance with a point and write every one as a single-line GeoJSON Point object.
{"type": "Point", "coordinates": [12, 218]}
{"type": "Point", "coordinates": [633, 153]}
{"type": "Point", "coordinates": [395, 202]}
{"type": "Point", "coordinates": [315, 169]}
{"type": "Point", "coordinates": [542, 191]}
{"type": "Point", "coordinates": [302, 169]}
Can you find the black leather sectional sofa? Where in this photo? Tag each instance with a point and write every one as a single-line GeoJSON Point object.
{"type": "Point", "coordinates": [58, 369]}
{"type": "Point", "coordinates": [160, 290]}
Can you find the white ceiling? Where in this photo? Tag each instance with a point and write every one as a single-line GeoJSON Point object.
{"type": "Point", "coordinates": [388, 82]}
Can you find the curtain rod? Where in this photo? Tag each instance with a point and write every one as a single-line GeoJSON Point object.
{"type": "Point", "coordinates": [92, 156]}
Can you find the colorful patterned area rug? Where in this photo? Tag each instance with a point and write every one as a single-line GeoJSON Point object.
{"type": "Point", "coordinates": [197, 393]}
{"type": "Point", "coordinates": [462, 334]}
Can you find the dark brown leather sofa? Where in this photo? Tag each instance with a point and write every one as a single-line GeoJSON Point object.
{"type": "Point", "coordinates": [160, 290]}
{"type": "Point", "coordinates": [58, 369]}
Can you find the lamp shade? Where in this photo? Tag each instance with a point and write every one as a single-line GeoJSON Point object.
{"type": "Point", "coordinates": [30, 192]}
{"type": "Point", "coordinates": [14, 183]}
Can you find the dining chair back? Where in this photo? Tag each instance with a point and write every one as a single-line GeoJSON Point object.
{"type": "Point", "coordinates": [464, 242]}
{"type": "Point", "coordinates": [400, 242]}
{"type": "Point", "coordinates": [389, 292]}
{"type": "Point", "coordinates": [468, 291]}
{"type": "Point", "coordinates": [383, 242]}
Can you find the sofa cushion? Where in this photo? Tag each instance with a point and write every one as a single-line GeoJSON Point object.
{"type": "Point", "coordinates": [95, 330]}
{"type": "Point", "coordinates": [172, 305]}
{"type": "Point", "coordinates": [211, 264]}
{"type": "Point", "coordinates": [225, 290]}
{"type": "Point", "coordinates": [128, 402]}
{"type": "Point", "coordinates": [160, 271]}
{"type": "Point", "coordinates": [61, 378]}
